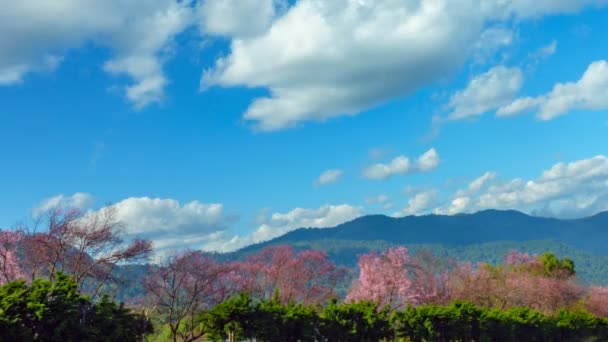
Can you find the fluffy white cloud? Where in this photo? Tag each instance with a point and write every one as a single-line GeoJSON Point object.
{"type": "Point", "coordinates": [35, 34]}
{"type": "Point", "coordinates": [486, 92]}
{"type": "Point", "coordinates": [422, 202]}
{"type": "Point", "coordinates": [325, 59]}
{"type": "Point", "coordinates": [170, 224]}
{"type": "Point", "coordinates": [565, 190]}
{"type": "Point", "coordinates": [428, 161]}
{"type": "Point", "coordinates": [401, 165]}
{"type": "Point", "coordinates": [237, 18]}
{"type": "Point", "coordinates": [590, 92]}
{"type": "Point", "coordinates": [278, 224]}
{"type": "Point", "coordinates": [328, 177]}
{"type": "Point", "coordinates": [79, 200]}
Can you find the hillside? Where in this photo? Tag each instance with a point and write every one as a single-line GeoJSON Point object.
{"type": "Point", "coordinates": [482, 236]}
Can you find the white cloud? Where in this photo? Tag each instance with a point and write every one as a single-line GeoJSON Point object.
{"type": "Point", "coordinates": [78, 200]}
{"type": "Point", "coordinates": [280, 223]}
{"type": "Point", "coordinates": [480, 182]}
{"type": "Point", "coordinates": [569, 190]}
{"type": "Point", "coordinates": [169, 223]}
{"type": "Point", "coordinates": [422, 202]}
{"type": "Point", "coordinates": [428, 161]}
{"type": "Point", "coordinates": [328, 177]}
{"type": "Point", "coordinates": [518, 106]}
{"type": "Point", "coordinates": [401, 165]}
{"type": "Point", "coordinates": [35, 34]}
{"type": "Point", "coordinates": [237, 18]}
{"type": "Point", "coordinates": [318, 59]}
{"type": "Point", "coordinates": [306, 58]}
{"type": "Point", "coordinates": [326, 59]}
{"type": "Point", "coordinates": [486, 92]}
{"type": "Point", "coordinates": [590, 92]}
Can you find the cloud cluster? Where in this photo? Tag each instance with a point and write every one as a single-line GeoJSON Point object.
{"type": "Point", "coordinates": [590, 92]}
{"type": "Point", "coordinates": [169, 223]}
{"type": "Point", "coordinates": [567, 190]}
{"type": "Point", "coordinates": [318, 59]}
{"type": "Point", "coordinates": [36, 34]}
{"type": "Point", "coordinates": [401, 165]}
{"type": "Point", "coordinates": [326, 59]}
{"type": "Point", "coordinates": [172, 225]}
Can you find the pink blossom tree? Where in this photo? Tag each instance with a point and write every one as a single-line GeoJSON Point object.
{"type": "Point", "coordinates": [385, 279]}
{"type": "Point", "coordinates": [10, 268]}
{"type": "Point", "coordinates": [88, 247]}
{"type": "Point", "coordinates": [523, 280]}
{"type": "Point", "coordinates": [180, 288]}
{"type": "Point", "coordinates": [307, 277]}
{"type": "Point", "coordinates": [596, 301]}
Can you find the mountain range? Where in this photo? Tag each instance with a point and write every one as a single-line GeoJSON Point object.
{"type": "Point", "coordinates": [483, 236]}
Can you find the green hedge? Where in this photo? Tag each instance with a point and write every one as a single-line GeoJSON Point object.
{"type": "Point", "coordinates": [242, 318]}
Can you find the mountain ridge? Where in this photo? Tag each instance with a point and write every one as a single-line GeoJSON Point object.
{"type": "Point", "coordinates": [586, 233]}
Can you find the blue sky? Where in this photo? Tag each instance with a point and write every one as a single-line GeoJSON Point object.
{"type": "Point", "coordinates": [218, 123]}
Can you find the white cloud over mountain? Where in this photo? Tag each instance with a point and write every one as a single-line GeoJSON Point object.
{"type": "Point", "coordinates": [566, 190]}
{"type": "Point", "coordinates": [169, 223]}
{"type": "Point", "coordinates": [278, 224]}
{"type": "Point", "coordinates": [420, 202]}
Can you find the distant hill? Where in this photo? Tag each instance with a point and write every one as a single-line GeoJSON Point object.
{"type": "Point", "coordinates": [482, 236]}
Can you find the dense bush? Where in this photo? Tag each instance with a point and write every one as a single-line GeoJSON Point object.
{"type": "Point", "coordinates": [56, 311]}
{"type": "Point", "coordinates": [242, 317]}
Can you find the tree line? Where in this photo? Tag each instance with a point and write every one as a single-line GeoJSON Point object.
{"type": "Point", "coordinates": [68, 261]}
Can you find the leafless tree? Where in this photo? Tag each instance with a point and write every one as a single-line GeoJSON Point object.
{"type": "Point", "coordinates": [88, 246]}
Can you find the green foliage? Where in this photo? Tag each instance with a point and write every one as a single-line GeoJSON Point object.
{"type": "Point", "coordinates": [462, 321]}
{"type": "Point", "coordinates": [362, 321]}
{"type": "Point", "coordinates": [243, 318]}
{"type": "Point", "coordinates": [56, 311]}
{"type": "Point", "coordinates": [555, 266]}
{"type": "Point", "coordinates": [458, 321]}
{"type": "Point", "coordinates": [232, 317]}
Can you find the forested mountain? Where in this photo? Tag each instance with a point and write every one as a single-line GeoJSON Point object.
{"type": "Point", "coordinates": [482, 236]}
